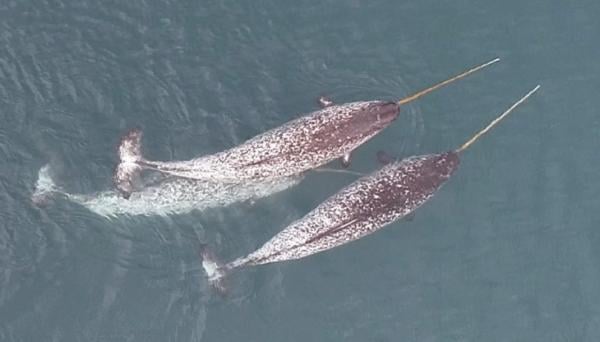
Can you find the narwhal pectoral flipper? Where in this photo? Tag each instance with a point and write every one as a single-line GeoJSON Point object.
{"type": "Point", "coordinates": [384, 158]}
{"type": "Point", "coordinates": [324, 101]}
{"type": "Point", "coordinates": [345, 160]}
{"type": "Point", "coordinates": [130, 156]}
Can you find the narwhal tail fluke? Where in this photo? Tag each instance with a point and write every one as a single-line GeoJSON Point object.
{"type": "Point", "coordinates": [130, 158]}
{"type": "Point", "coordinates": [45, 187]}
{"type": "Point", "coordinates": [215, 270]}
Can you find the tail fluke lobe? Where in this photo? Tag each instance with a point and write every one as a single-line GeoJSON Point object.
{"type": "Point", "coordinates": [44, 187]}
{"type": "Point", "coordinates": [130, 156]}
{"type": "Point", "coordinates": [215, 270]}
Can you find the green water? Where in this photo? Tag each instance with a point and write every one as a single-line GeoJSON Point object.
{"type": "Point", "coordinates": [508, 250]}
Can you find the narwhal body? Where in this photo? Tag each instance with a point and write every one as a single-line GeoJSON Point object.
{"type": "Point", "coordinates": [162, 196]}
{"type": "Point", "coordinates": [297, 146]}
{"type": "Point", "coordinates": [361, 208]}
{"type": "Point", "coordinates": [312, 140]}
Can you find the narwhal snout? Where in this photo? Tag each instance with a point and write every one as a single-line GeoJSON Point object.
{"type": "Point", "coordinates": [385, 112]}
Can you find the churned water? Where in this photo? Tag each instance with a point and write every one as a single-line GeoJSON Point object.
{"type": "Point", "coordinates": [508, 250]}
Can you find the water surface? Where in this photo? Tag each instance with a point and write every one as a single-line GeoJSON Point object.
{"type": "Point", "coordinates": [507, 251]}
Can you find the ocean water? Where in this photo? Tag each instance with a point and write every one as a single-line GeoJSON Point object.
{"type": "Point", "coordinates": [508, 250]}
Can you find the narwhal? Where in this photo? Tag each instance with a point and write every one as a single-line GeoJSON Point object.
{"type": "Point", "coordinates": [297, 146]}
{"type": "Point", "coordinates": [163, 195]}
{"type": "Point", "coordinates": [361, 208]}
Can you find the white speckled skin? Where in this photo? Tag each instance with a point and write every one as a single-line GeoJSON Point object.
{"type": "Point", "coordinates": [361, 208]}
{"type": "Point", "coordinates": [297, 146]}
{"type": "Point", "coordinates": [166, 196]}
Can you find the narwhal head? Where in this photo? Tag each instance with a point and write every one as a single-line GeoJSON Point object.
{"type": "Point", "coordinates": [445, 164]}
{"type": "Point", "coordinates": [373, 117]}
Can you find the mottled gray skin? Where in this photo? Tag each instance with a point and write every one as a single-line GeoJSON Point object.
{"type": "Point", "coordinates": [163, 195]}
{"type": "Point", "coordinates": [361, 208]}
{"type": "Point", "coordinates": [297, 146]}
